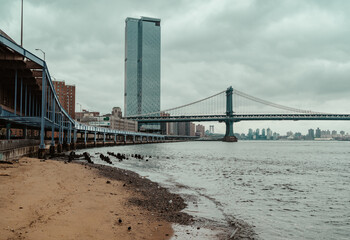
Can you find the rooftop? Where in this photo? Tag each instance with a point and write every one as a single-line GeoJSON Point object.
{"type": "Point", "coordinates": [147, 19]}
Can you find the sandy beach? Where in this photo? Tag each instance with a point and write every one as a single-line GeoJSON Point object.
{"type": "Point", "coordinates": [57, 200]}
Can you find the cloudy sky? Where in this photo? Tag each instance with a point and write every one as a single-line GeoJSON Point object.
{"type": "Point", "coordinates": [295, 53]}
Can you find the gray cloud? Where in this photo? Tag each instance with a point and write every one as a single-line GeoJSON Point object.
{"type": "Point", "coordinates": [294, 53]}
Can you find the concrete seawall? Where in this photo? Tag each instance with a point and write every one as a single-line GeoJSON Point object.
{"type": "Point", "coordinates": [16, 153]}
{"type": "Point", "coordinates": [14, 149]}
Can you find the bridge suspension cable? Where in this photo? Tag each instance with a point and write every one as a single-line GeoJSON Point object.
{"type": "Point", "coordinates": [240, 104]}
{"type": "Point", "coordinates": [214, 104]}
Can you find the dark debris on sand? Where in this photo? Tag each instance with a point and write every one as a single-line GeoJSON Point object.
{"type": "Point", "coordinates": [167, 206]}
{"type": "Point", "coordinates": [156, 199]}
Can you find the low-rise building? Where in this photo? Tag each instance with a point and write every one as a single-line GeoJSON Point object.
{"type": "Point", "coordinates": [112, 120]}
{"type": "Point", "coordinates": [200, 130]}
{"type": "Point", "coordinates": [120, 123]}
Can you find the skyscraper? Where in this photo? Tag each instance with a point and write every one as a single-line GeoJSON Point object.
{"type": "Point", "coordinates": [318, 133]}
{"type": "Point", "coordinates": [311, 134]}
{"type": "Point", "coordinates": [142, 66]}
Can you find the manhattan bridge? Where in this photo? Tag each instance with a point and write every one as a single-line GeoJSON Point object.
{"type": "Point", "coordinates": [231, 106]}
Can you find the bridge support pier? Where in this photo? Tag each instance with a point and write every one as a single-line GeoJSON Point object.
{"type": "Point", "coordinates": [229, 136]}
{"type": "Point", "coordinates": [85, 136]}
{"type": "Point", "coordinates": [66, 146]}
{"type": "Point", "coordinates": [95, 137]}
{"type": "Point", "coordinates": [52, 146]}
{"type": "Point", "coordinates": [24, 132]}
{"type": "Point", "coordinates": [41, 153]}
{"type": "Point", "coordinates": [8, 131]}
{"type": "Point", "coordinates": [73, 146]}
{"type": "Point", "coordinates": [59, 148]}
{"type": "Point", "coordinates": [52, 150]}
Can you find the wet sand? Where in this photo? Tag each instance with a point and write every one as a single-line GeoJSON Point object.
{"type": "Point", "coordinates": [57, 200]}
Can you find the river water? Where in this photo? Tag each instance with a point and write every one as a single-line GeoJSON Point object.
{"type": "Point", "coordinates": [285, 189]}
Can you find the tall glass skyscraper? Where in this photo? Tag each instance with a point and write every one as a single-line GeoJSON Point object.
{"type": "Point", "coordinates": [142, 66]}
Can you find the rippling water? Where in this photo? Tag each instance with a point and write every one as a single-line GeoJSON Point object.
{"type": "Point", "coordinates": [287, 190]}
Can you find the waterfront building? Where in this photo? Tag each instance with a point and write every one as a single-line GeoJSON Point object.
{"type": "Point", "coordinates": [100, 121]}
{"type": "Point", "coordinates": [118, 122]}
{"type": "Point", "coordinates": [318, 133]}
{"type": "Point", "coordinates": [275, 136]}
{"type": "Point", "coordinates": [186, 129]}
{"type": "Point", "coordinates": [182, 127]}
{"type": "Point", "coordinates": [142, 67]}
{"type": "Point", "coordinates": [173, 128]}
{"type": "Point", "coordinates": [298, 136]}
{"type": "Point", "coordinates": [311, 134]}
{"type": "Point", "coordinates": [250, 134]}
{"type": "Point", "coordinates": [192, 130]}
{"type": "Point", "coordinates": [112, 120]}
{"type": "Point", "coordinates": [81, 116]}
{"type": "Point", "coordinates": [92, 119]}
{"type": "Point", "coordinates": [66, 96]}
{"type": "Point", "coordinates": [200, 130]}
{"type": "Point", "coordinates": [257, 134]}
{"type": "Point", "coordinates": [289, 133]}
{"type": "Point", "coordinates": [268, 134]}
{"type": "Point", "coordinates": [165, 126]}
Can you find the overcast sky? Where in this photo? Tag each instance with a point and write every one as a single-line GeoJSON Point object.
{"type": "Point", "coordinates": [295, 53]}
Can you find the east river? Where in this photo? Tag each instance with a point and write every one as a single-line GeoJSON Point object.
{"type": "Point", "coordinates": [285, 189]}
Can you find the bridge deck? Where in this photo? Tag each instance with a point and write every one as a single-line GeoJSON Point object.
{"type": "Point", "coordinates": [242, 117]}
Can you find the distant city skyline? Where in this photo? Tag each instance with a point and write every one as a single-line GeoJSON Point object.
{"type": "Point", "coordinates": [311, 134]}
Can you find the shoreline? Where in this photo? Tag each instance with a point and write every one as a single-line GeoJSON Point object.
{"type": "Point", "coordinates": [156, 199]}
{"type": "Point", "coordinates": [162, 209]}
{"type": "Point", "coordinates": [53, 200]}
{"type": "Point", "coordinates": [198, 226]}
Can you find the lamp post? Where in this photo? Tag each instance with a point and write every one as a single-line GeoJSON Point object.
{"type": "Point", "coordinates": [38, 49]}
{"type": "Point", "coordinates": [80, 106]}
{"type": "Point", "coordinates": [22, 24]}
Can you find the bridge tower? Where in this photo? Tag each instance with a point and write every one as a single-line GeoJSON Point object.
{"type": "Point", "coordinates": [229, 136]}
